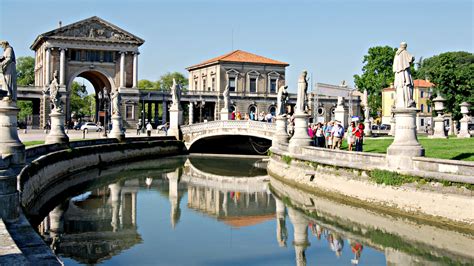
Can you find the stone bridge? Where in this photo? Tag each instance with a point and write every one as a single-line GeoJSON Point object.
{"type": "Point", "coordinates": [195, 132]}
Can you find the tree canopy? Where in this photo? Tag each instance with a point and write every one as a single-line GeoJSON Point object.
{"type": "Point", "coordinates": [376, 74]}
{"type": "Point", "coordinates": [80, 101]}
{"type": "Point", "coordinates": [164, 83]}
{"type": "Point", "coordinates": [25, 70]}
{"type": "Point", "coordinates": [453, 76]}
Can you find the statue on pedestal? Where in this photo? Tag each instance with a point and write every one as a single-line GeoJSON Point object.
{"type": "Point", "coordinates": [282, 98]}
{"type": "Point", "coordinates": [116, 102]}
{"type": "Point", "coordinates": [403, 80]}
{"type": "Point", "coordinates": [175, 93]}
{"type": "Point", "coordinates": [55, 96]}
{"type": "Point", "coordinates": [225, 94]}
{"type": "Point", "coordinates": [302, 96]}
{"type": "Point", "coordinates": [8, 68]}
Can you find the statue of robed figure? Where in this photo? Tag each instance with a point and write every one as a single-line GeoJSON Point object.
{"type": "Point", "coordinates": [226, 94]}
{"type": "Point", "coordinates": [8, 68]}
{"type": "Point", "coordinates": [403, 81]}
{"type": "Point", "coordinates": [54, 95]}
{"type": "Point", "coordinates": [116, 99]}
{"type": "Point", "coordinates": [282, 98]}
{"type": "Point", "coordinates": [175, 94]}
{"type": "Point", "coordinates": [302, 96]}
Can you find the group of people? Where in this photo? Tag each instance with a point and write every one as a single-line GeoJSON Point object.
{"type": "Point", "coordinates": [331, 134]}
{"type": "Point", "coordinates": [262, 116]}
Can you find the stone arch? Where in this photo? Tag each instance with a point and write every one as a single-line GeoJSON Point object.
{"type": "Point", "coordinates": [217, 133]}
{"type": "Point", "coordinates": [97, 77]}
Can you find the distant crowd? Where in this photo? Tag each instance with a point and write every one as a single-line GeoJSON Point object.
{"type": "Point", "coordinates": [262, 116]}
{"type": "Point", "coordinates": [331, 135]}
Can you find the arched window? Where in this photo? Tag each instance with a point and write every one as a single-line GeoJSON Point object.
{"type": "Point", "coordinates": [252, 112]}
{"type": "Point", "coordinates": [272, 110]}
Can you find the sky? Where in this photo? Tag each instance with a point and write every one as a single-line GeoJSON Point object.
{"type": "Point", "coordinates": [327, 38]}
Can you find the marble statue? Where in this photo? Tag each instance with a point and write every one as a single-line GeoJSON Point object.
{"type": "Point", "coordinates": [302, 96]}
{"type": "Point", "coordinates": [340, 101]}
{"type": "Point", "coordinates": [116, 102]}
{"type": "Point", "coordinates": [55, 96]}
{"type": "Point", "coordinates": [225, 94]}
{"type": "Point", "coordinates": [282, 98]}
{"type": "Point", "coordinates": [365, 99]}
{"type": "Point", "coordinates": [175, 93]}
{"type": "Point", "coordinates": [403, 80]}
{"type": "Point", "coordinates": [8, 67]}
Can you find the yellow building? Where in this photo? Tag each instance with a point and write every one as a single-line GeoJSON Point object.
{"type": "Point", "coordinates": [421, 94]}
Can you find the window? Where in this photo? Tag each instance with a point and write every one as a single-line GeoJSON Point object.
{"type": "Point", "coordinates": [195, 85]}
{"type": "Point", "coordinates": [272, 110]}
{"type": "Point", "coordinates": [232, 84]}
{"type": "Point", "coordinates": [75, 55]}
{"type": "Point", "coordinates": [108, 56]}
{"type": "Point", "coordinates": [253, 85]}
{"type": "Point", "coordinates": [204, 84]}
{"type": "Point", "coordinates": [429, 108]}
{"type": "Point", "coordinates": [273, 86]}
{"type": "Point", "coordinates": [422, 108]}
{"type": "Point", "coordinates": [213, 84]}
{"type": "Point", "coordinates": [128, 111]}
{"type": "Point", "coordinates": [422, 122]}
{"type": "Point", "coordinates": [422, 93]}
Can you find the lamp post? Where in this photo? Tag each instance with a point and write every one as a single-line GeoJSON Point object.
{"type": "Point", "coordinates": [200, 104]}
{"type": "Point", "coordinates": [143, 115]}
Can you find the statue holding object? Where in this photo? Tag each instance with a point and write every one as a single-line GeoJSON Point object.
{"type": "Point", "coordinates": [8, 68]}
{"type": "Point", "coordinates": [403, 81]}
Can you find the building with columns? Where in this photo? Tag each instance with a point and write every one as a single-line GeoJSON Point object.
{"type": "Point", "coordinates": [96, 50]}
{"type": "Point", "coordinates": [253, 82]}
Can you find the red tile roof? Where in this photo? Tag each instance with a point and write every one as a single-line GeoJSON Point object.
{"type": "Point", "coordinates": [240, 57]}
{"type": "Point", "coordinates": [419, 83]}
{"type": "Point", "coordinates": [422, 83]}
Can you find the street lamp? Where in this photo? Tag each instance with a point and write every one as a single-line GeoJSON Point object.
{"type": "Point", "coordinates": [200, 104]}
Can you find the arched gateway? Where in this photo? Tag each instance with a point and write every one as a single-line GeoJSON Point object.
{"type": "Point", "coordinates": [96, 50]}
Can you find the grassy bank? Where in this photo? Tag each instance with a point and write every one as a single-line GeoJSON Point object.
{"type": "Point", "coordinates": [452, 148]}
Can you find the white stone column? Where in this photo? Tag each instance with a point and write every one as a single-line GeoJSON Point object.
{"type": "Point", "coordinates": [62, 66]}
{"type": "Point", "coordinates": [47, 78]}
{"type": "Point", "coordinates": [300, 226]}
{"type": "Point", "coordinates": [281, 231]}
{"type": "Point", "coordinates": [122, 69]}
{"type": "Point", "coordinates": [114, 200]}
{"type": "Point", "coordinates": [191, 113]}
{"type": "Point", "coordinates": [135, 69]}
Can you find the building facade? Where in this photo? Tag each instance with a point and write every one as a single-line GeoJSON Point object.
{"type": "Point", "coordinates": [421, 94]}
{"type": "Point", "coordinates": [253, 82]}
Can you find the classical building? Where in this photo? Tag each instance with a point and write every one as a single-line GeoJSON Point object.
{"type": "Point", "coordinates": [96, 50]}
{"type": "Point", "coordinates": [253, 82]}
{"type": "Point", "coordinates": [421, 94]}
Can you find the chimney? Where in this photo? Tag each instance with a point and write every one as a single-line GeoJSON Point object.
{"type": "Point", "coordinates": [60, 24]}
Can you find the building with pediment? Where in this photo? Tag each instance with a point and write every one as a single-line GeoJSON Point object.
{"type": "Point", "coordinates": [96, 50]}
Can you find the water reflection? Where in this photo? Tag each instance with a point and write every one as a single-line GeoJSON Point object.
{"type": "Point", "coordinates": [232, 219]}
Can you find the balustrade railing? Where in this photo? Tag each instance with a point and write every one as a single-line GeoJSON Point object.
{"type": "Point", "coordinates": [229, 124]}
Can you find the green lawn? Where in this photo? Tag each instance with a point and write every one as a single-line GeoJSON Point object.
{"type": "Point", "coordinates": [33, 142]}
{"type": "Point", "coordinates": [452, 148]}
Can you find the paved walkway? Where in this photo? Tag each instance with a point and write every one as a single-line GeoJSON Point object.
{"type": "Point", "coordinates": [36, 134]}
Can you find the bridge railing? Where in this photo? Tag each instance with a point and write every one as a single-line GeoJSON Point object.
{"type": "Point", "coordinates": [229, 124]}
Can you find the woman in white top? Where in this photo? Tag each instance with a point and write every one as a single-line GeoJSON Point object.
{"type": "Point", "coordinates": [350, 135]}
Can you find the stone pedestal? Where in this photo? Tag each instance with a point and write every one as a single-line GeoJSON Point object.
{"type": "Point", "coordinates": [464, 129]}
{"type": "Point", "coordinates": [224, 114]}
{"type": "Point", "coordinates": [57, 134]}
{"type": "Point", "coordinates": [367, 128]}
{"type": "Point", "coordinates": [300, 137]}
{"type": "Point", "coordinates": [405, 145]}
{"type": "Point", "coordinates": [280, 139]}
{"type": "Point", "coordinates": [9, 141]}
{"type": "Point", "coordinates": [300, 231]}
{"type": "Point", "coordinates": [9, 197]}
{"type": "Point", "coordinates": [392, 127]}
{"type": "Point", "coordinates": [438, 128]}
{"type": "Point", "coordinates": [176, 116]}
{"type": "Point", "coordinates": [340, 114]}
{"type": "Point", "coordinates": [117, 128]}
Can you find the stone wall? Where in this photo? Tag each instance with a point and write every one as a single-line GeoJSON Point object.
{"type": "Point", "coordinates": [344, 175]}
{"type": "Point", "coordinates": [51, 168]}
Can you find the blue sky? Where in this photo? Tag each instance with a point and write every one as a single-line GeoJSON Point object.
{"type": "Point", "coordinates": [327, 38]}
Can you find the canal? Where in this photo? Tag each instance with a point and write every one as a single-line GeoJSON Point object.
{"type": "Point", "coordinates": [205, 210]}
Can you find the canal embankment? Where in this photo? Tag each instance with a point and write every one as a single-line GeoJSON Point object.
{"type": "Point", "coordinates": [441, 193]}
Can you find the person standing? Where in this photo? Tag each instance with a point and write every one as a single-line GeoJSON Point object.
{"type": "Point", "coordinates": [350, 135]}
{"type": "Point", "coordinates": [149, 128]}
{"type": "Point", "coordinates": [139, 126]}
{"type": "Point", "coordinates": [327, 133]}
{"type": "Point", "coordinates": [359, 135]}
{"type": "Point", "coordinates": [337, 134]}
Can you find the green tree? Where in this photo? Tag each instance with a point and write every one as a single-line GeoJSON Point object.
{"type": "Point", "coordinates": [376, 74]}
{"type": "Point", "coordinates": [166, 80]}
{"type": "Point", "coordinates": [25, 70]}
{"type": "Point", "coordinates": [149, 85]}
{"type": "Point", "coordinates": [26, 109]}
{"type": "Point", "coordinates": [453, 76]}
{"type": "Point", "coordinates": [79, 105]}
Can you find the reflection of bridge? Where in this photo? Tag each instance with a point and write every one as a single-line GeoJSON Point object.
{"type": "Point", "coordinates": [195, 132]}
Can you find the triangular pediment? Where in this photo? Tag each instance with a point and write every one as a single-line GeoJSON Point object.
{"type": "Point", "coordinates": [91, 29]}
